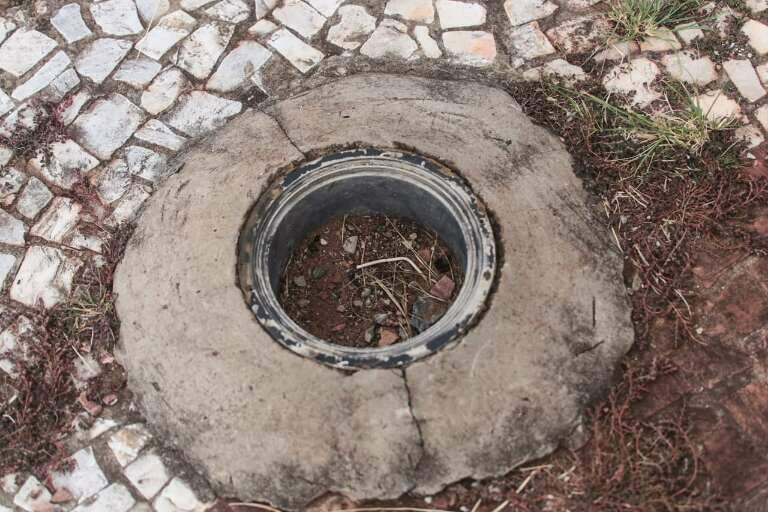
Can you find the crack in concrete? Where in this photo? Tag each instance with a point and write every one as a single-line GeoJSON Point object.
{"type": "Point", "coordinates": [284, 131]}
{"type": "Point", "coordinates": [417, 424]}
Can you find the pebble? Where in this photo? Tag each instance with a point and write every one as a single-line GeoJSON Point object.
{"type": "Point", "coordinates": [350, 244]}
{"type": "Point", "coordinates": [388, 337]}
{"type": "Point", "coordinates": [300, 281]}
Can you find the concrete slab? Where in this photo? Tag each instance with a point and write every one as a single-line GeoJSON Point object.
{"type": "Point", "coordinates": [268, 425]}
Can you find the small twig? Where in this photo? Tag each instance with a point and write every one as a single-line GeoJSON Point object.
{"type": "Point", "coordinates": [390, 260]}
{"type": "Point", "coordinates": [527, 480]}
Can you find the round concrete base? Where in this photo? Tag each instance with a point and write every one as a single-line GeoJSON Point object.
{"type": "Point", "coordinates": [269, 425]}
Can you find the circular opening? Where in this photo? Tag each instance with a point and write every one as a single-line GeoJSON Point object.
{"type": "Point", "coordinates": [364, 182]}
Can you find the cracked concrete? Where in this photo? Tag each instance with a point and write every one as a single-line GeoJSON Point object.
{"type": "Point", "coordinates": [268, 425]}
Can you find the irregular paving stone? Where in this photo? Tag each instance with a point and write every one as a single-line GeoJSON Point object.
{"type": "Point", "coordinates": [390, 39]}
{"type": "Point", "coordinates": [757, 6]}
{"type": "Point", "coordinates": [147, 474]}
{"type": "Point", "coordinates": [85, 240]}
{"type": "Point", "coordinates": [112, 181]}
{"type": "Point", "coordinates": [456, 14]}
{"type": "Point", "coordinates": [200, 51]}
{"type": "Point", "coordinates": [581, 4]}
{"type": "Point", "coordinates": [264, 7]}
{"type": "Point", "coordinates": [171, 29]}
{"type": "Point", "coordinates": [15, 342]}
{"type": "Point", "coordinates": [302, 56]}
{"type": "Point", "coordinates": [58, 220]}
{"type": "Point", "coordinates": [6, 27]}
{"type": "Point", "coordinates": [717, 105]}
{"type": "Point", "coordinates": [7, 263]}
{"type": "Point", "coordinates": [25, 48]}
{"type": "Point", "coordinates": [689, 32]}
{"type": "Point", "coordinates": [45, 276]}
{"type": "Point", "coordinates": [192, 5]}
{"type": "Point", "coordinates": [151, 10]}
{"type": "Point", "coordinates": [12, 230]}
{"type": "Point", "coordinates": [761, 114]}
{"type": "Point", "coordinates": [685, 67]}
{"type": "Point", "coordinates": [558, 68]}
{"type": "Point", "coordinates": [745, 78]}
{"type": "Point", "coordinates": [107, 124]}
{"type": "Point", "coordinates": [660, 40]}
{"type": "Point", "coordinates": [137, 72]}
{"type": "Point", "coordinates": [473, 48]}
{"type": "Point", "coordinates": [32, 496]}
{"type": "Point", "coordinates": [28, 116]}
{"type": "Point", "coordinates": [757, 33]}
{"type": "Point", "coordinates": [299, 17]}
{"type": "Point", "coordinates": [43, 77]}
{"type": "Point", "coordinates": [198, 112]}
{"type": "Point", "coordinates": [68, 111]}
{"type": "Point", "coordinates": [163, 91]}
{"type": "Point", "coordinates": [421, 11]}
{"type": "Point", "coordinates": [529, 42]}
{"type": "Point", "coordinates": [11, 181]}
{"type": "Point", "coordinates": [232, 11]}
{"type": "Point", "coordinates": [619, 50]}
{"type": "Point", "coordinates": [262, 28]}
{"type": "Point", "coordinates": [6, 154]}
{"type": "Point", "coordinates": [146, 163]}
{"type": "Point", "coordinates": [354, 25]}
{"type": "Point", "coordinates": [159, 134]}
{"type": "Point", "coordinates": [751, 135]}
{"type": "Point", "coordinates": [239, 67]}
{"type": "Point", "coordinates": [66, 164]}
{"type": "Point", "coordinates": [520, 12]}
{"type": "Point", "coordinates": [178, 496]}
{"type": "Point", "coordinates": [115, 498]}
{"type": "Point", "coordinates": [128, 205]}
{"type": "Point", "coordinates": [69, 22]}
{"type": "Point", "coordinates": [634, 79]}
{"type": "Point", "coordinates": [428, 45]}
{"type": "Point", "coordinates": [325, 7]}
{"type": "Point", "coordinates": [6, 103]}
{"type": "Point", "coordinates": [84, 478]}
{"type": "Point", "coordinates": [579, 35]}
{"type": "Point", "coordinates": [60, 86]}
{"type": "Point", "coordinates": [33, 198]}
{"type": "Point", "coordinates": [762, 72]}
{"type": "Point", "coordinates": [117, 17]}
{"type": "Point", "coordinates": [127, 442]}
{"type": "Point", "coordinates": [100, 57]}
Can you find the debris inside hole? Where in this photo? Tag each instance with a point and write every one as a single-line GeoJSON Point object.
{"type": "Point", "coordinates": [369, 281]}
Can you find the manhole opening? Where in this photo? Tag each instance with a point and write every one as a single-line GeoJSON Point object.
{"type": "Point", "coordinates": [365, 182]}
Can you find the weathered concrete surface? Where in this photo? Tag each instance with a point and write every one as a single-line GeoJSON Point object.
{"type": "Point", "coordinates": [271, 426]}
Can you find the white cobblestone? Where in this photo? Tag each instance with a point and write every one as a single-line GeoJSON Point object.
{"type": "Point", "coordinates": [163, 91]}
{"type": "Point", "coordinates": [717, 105]}
{"type": "Point", "coordinates": [198, 112]}
{"type": "Point", "coordinates": [263, 7]}
{"type": "Point", "coordinates": [112, 180]}
{"type": "Point", "coordinates": [117, 17]}
{"type": "Point", "coordinates": [238, 69]}
{"type": "Point", "coordinates": [12, 230]}
{"type": "Point", "coordinates": [231, 11]}
{"type": "Point", "coordinates": [473, 48]}
{"type": "Point", "coordinates": [745, 78]}
{"type": "Point", "coordinates": [44, 76]}
{"type": "Point", "coordinates": [148, 474]}
{"type": "Point", "coordinates": [15, 345]}
{"type": "Point", "coordinates": [7, 263]}
{"type": "Point", "coordinates": [200, 51]}
{"type": "Point", "coordinates": [11, 181]}
{"type": "Point", "coordinates": [761, 114]}
{"type": "Point", "coordinates": [171, 29]}
{"type": "Point", "coordinates": [58, 220]}
{"type": "Point", "coordinates": [128, 205]}
{"type": "Point", "coordinates": [529, 42]}
{"type": "Point", "coordinates": [115, 498]}
{"type": "Point", "coordinates": [757, 33]}
{"type": "Point", "coordinates": [67, 163]}
{"type": "Point", "coordinates": [6, 27]}
{"type": "Point", "coordinates": [68, 112]}
{"type": "Point", "coordinates": [25, 48]}
{"type": "Point", "coordinates": [634, 79]}
{"type": "Point", "coordinates": [421, 11]}
{"type": "Point", "coordinates": [686, 67]}
{"type": "Point", "coordinates": [60, 86]}
{"type": "Point", "coordinates": [262, 28]}
{"type": "Point", "coordinates": [178, 496]}
{"type": "Point", "coordinates": [127, 442]}
{"type": "Point", "coordinates": [457, 14]}
{"type": "Point", "coordinates": [660, 40]}
{"type": "Point", "coordinates": [301, 55]}
{"type": "Point", "coordinates": [155, 132]}
{"type": "Point", "coordinates": [580, 34]}
{"type": "Point", "coordinates": [69, 23]}
{"type": "Point", "coordinates": [45, 276]}
{"type": "Point", "coordinates": [101, 57]}
{"type": "Point", "coordinates": [146, 163]}
{"type": "Point", "coordinates": [137, 72]}
{"type": "Point", "coordinates": [299, 17]}
{"type": "Point", "coordinates": [107, 124]}
{"type": "Point", "coordinates": [325, 7]}
{"type": "Point", "coordinates": [521, 12]}
{"type": "Point", "coordinates": [354, 25]}
{"type": "Point", "coordinates": [757, 6]}
{"type": "Point", "coordinates": [428, 45]}
{"type": "Point", "coordinates": [33, 496]}
{"type": "Point", "coordinates": [33, 198]}
{"type": "Point", "coordinates": [152, 10]}
{"type": "Point", "coordinates": [85, 478]}
{"type": "Point", "coordinates": [751, 135]}
{"type": "Point", "coordinates": [6, 103]}
{"type": "Point", "coordinates": [689, 32]}
{"type": "Point", "coordinates": [559, 68]}
{"type": "Point", "coordinates": [390, 39]}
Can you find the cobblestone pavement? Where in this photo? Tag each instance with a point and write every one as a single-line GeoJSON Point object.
{"type": "Point", "coordinates": [132, 81]}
